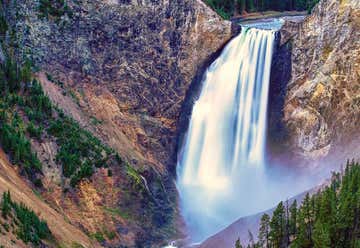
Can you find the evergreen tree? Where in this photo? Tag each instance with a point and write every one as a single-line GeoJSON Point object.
{"type": "Point", "coordinates": [264, 231]}
{"type": "Point", "coordinates": [229, 8]}
{"type": "Point", "coordinates": [6, 204]}
{"type": "Point", "coordinates": [300, 4]}
{"type": "Point", "coordinates": [293, 218]}
{"type": "Point", "coordinates": [242, 4]}
{"type": "Point", "coordinates": [321, 235]}
{"type": "Point", "coordinates": [25, 74]}
{"type": "Point", "coordinates": [277, 224]}
{"type": "Point", "coordinates": [250, 6]}
{"type": "Point", "coordinates": [329, 218]}
{"type": "Point", "coordinates": [304, 237]}
{"type": "Point", "coordinates": [238, 243]}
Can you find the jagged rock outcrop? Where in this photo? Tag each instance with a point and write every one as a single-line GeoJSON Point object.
{"type": "Point", "coordinates": [127, 66]}
{"type": "Point", "coordinates": [322, 71]}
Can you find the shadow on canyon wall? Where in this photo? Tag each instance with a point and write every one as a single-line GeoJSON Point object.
{"type": "Point", "coordinates": [280, 77]}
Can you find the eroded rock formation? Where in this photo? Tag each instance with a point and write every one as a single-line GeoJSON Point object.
{"type": "Point", "coordinates": [316, 84]}
{"type": "Point", "coordinates": [322, 108]}
{"type": "Point", "coordinates": [123, 69]}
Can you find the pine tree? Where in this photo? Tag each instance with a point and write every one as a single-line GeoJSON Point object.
{"type": "Point", "coordinates": [242, 4]}
{"type": "Point", "coordinates": [238, 243]}
{"type": "Point", "coordinates": [329, 218]}
{"type": "Point", "coordinates": [264, 231]}
{"type": "Point", "coordinates": [12, 75]}
{"type": "Point", "coordinates": [277, 225]}
{"type": "Point", "coordinates": [321, 235]}
{"type": "Point", "coordinates": [293, 218]}
{"type": "Point", "coordinates": [306, 220]}
{"type": "Point", "coordinates": [287, 225]}
{"type": "Point", "coordinates": [6, 204]}
{"type": "Point", "coordinates": [25, 74]}
{"type": "Point", "coordinates": [250, 6]}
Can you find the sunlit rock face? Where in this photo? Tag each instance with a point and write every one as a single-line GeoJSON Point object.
{"type": "Point", "coordinates": [322, 108]}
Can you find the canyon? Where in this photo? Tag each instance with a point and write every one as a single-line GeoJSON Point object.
{"type": "Point", "coordinates": [130, 71]}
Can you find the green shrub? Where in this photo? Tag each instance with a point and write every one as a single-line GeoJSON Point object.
{"type": "Point", "coordinates": [110, 235]}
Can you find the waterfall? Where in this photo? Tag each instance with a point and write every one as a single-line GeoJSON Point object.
{"type": "Point", "coordinates": [223, 157]}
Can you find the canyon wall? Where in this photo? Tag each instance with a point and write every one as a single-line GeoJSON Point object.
{"type": "Point", "coordinates": [126, 69]}
{"type": "Point", "coordinates": [322, 108]}
{"type": "Point", "coordinates": [131, 63]}
{"type": "Point", "coordinates": [317, 78]}
{"type": "Point", "coordinates": [121, 69]}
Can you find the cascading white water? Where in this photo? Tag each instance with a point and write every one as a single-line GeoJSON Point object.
{"type": "Point", "coordinates": [223, 156]}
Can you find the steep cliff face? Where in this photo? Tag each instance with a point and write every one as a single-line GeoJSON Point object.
{"type": "Point", "coordinates": [131, 63]}
{"type": "Point", "coordinates": [121, 69]}
{"type": "Point", "coordinates": [321, 104]}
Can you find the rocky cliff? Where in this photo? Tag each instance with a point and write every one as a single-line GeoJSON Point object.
{"type": "Point", "coordinates": [131, 63]}
{"type": "Point", "coordinates": [121, 69]}
{"type": "Point", "coordinates": [319, 81]}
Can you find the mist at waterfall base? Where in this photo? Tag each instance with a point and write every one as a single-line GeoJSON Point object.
{"type": "Point", "coordinates": [222, 172]}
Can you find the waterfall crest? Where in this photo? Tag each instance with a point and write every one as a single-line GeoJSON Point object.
{"type": "Point", "coordinates": [224, 151]}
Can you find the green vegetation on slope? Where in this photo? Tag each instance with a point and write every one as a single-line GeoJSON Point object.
{"type": "Point", "coordinates": [26, 224]}
{"type": "Point", "coordinates": [330, 218]}
{"type": "Point", "coordinates": [79, 150]}
{"type": "Point", "coordinates": [12, 127]}
{"type": "Point", "coordinates": [227, 8]}
{"type": "Point", "coordinates": [26, 112]}
{"type": "Point", "coordinates": [24, 107]}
